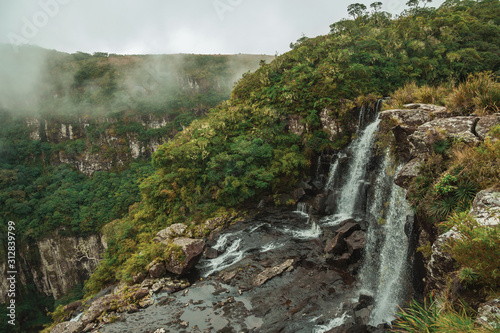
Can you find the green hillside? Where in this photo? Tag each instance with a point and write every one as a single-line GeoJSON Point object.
{"type": "Point", "coordinates": [242, 150]}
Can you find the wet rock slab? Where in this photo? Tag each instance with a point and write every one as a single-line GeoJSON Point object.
{"type": "Point", "coordinates": [273, 277]}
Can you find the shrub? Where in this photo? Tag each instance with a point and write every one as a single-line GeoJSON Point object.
{"type": "Point", "coordinates": [480, 93]}
{"type": "Point", "coordinates": [412, 93]}
{"type": "Point", "coordinates": [477, 251]}
{"type": "Point", "coordinates": [417, 317]}
{"type": "Point", "coordinates": [435, 316]}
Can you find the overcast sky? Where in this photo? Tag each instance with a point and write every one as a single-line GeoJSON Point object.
{"type": "Point", "coordinates": [165, 26]}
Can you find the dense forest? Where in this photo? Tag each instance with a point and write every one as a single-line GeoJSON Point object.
{"type": "Point", "coordinates": [107, 99]}
{"type": "Point", "coordinates": [242, 150]}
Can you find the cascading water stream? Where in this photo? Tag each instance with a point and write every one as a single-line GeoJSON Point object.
{"type": "Point", "coordinates": [385, 262]}
{"type": "Point", "coordinates": [391, 282]}
{"type": "Point", "coordinates": [384, 268]}
{"type": "Point", "coordinates": [361, 149]}
{"type": "Point", "coordinates": [357, 171]}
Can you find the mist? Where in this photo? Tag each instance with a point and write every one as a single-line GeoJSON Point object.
{"type": "Point", "coordinates": [35, 81]}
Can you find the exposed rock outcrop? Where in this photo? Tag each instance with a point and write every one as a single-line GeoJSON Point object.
{"type": "Point", "coordinates": [62, 263]}
{"type": "Point", "coordinates": [488, 314]}
{"type": "Point", "coordinates": [409, 171]}
{"type": "Point", "coordinates": [485, 124]}
{"type": "Point", "coordinates": [456, 128]}
{"type": "Point", "coordinates": [174, 231]}
{"type": "Point", "coordinates": [94, 138]}
{"type": "Point", "coordinates": [486, 208]}
{"type": "Point", "coordinates": [441, 262]}
{"type": "Point", "coordinates": [271, 272]}
{"type": "Point", "coordinates": [192, 250]}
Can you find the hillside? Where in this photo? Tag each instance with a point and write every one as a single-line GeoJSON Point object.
{"type": "Point", "coordinates": [78, 132]}
{"type": "Point", "coordinates": [266, 145]}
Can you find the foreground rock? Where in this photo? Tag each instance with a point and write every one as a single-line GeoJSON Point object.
{"type": "Point", "coordinates": [486, 208]}
{"type": "Point", "coordinates": [409, 171]}
{"type": "Point", "coordinates": [486, 211]}
{"type": "Point", "coordinates": [174, 231]}
{"type": "Point", "coordinates": [488, 314]}
{"type": "Point", "coordinates": [114, 303]}
{"type": "Point", "coordinates": [271, 276]}
{"type": "Point", "coordinates": [192, 250]}
{"type": "Point", "coordinates": [269, 273]}
{"type": "Point", "coordinates": [457, 128]}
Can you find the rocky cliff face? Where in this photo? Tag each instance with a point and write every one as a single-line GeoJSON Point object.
{"type": "Point", "coordinates": [102, 143]}
{"type": "Point", "coordinates": [58, 264]}
{"type": "Point", "coordinates": [417, 128]}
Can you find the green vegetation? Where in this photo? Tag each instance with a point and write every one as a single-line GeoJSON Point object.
{"type": "Point", "coordinates": [243, 150]}
{"type": "Point", "coordinates": [436, 316]}
{"type": "Point", "coordinates": [479, 93]}
{"type": "Point", "coordinates": [106, 100]}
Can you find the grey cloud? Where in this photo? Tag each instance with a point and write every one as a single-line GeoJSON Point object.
{"type": "Point", "coordinates": [159, 26]}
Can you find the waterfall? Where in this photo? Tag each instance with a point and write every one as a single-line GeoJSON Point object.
{"type": "Point", "coordinates": [391, 282]}
{"type": "Point", "coordinates": [384, 268]}
{"type": "Point", "coordinates": [381, 190]}
{"type": "Point", "coordinates": [333, 172]}
{"type": "Point", "coordinates": [384, 207]}
{"type": "Point", "coordinates": [318, 168]}
{"type": "Point", "coordinates": [361, 149]}
{"type": "Point", "coordinates": [303, 208]}
{"type": "Point", "coordinates": [357, 171]}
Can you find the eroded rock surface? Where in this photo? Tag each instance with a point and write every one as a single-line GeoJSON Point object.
{"type": "Point", "coordinates": [486, 207]}
{"type": "Point", "coordinates": [173, 231]}
{"type": "Point", "coordinates": [456, 128]}
{"type": "Point", "coordinates": [409, 171]}
{"type": "Point", "coordinates": [192, 250]}
{"type": "Point", "coordinates": [485, 124]}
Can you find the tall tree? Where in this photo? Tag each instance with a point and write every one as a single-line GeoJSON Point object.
{"type": "Point", "coordinates": [356, 10]}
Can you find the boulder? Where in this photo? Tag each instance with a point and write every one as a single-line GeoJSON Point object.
{"type": "Point", "coordinates": [486, 208]}
{"type": "Point", "coordinates": [141, 293]}
{"type": "Point", "coordinates": [364, 301]}
{"type": "Point", "coordinates": [415, 114]}
{"type": "Point", "coordinates": [157, 269]}
{"type": "Point", "coordinates": [355, 244]}
{"type": "Point", "coordinates": [100, 306]}
{"type": "Point", "coordinates": [211, 253]}
{"type": "Point", "coordinates": [298, 194]}
{"type": "Point", "coordinates": [217, 222]}
{"type": "Point", "coordinates": [484, 125]}
{"type": "Point", "coordinates": [441, 262]}
{"type": "Point", "coordinates": [409, 171]}
{"type": "Point", "coordinates": [271, 272]}
{"type": "Point", "coordinates": [72, 306]}
{"type": "Point", "coordinates": [347, 227]}
{"type": "Point", "coordinates": [139, 278]}
{"type": "Point", "coordinates": [67, 327]}
{"type": "Point", "coordinates": [406, 117]}
{"type": "Point", "coordinates": [488, 314]}
{"type": "Point", "coordinates": [432, 108]}
{"type": "Point", "coordinates": [336, 245]}
{"type": "Point", "coordinates": [192, 250]}
{"type": "Point", "coordinates": [456, 128]}
{"type": "Point", "coordinates": [174, 231]}
{"type": "Point", "coordinates": [337, 261]}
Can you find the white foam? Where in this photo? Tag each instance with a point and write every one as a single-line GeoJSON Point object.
{"type": "Point", "coordinates": [331, 324]}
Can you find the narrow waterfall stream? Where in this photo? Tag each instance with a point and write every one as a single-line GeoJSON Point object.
{"type": "Point", "coordinates": [361, 149]}
{"type": "Point", "coordinates": [383, 206]}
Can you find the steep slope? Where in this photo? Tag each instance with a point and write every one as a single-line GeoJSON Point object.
{"type": "Point", "coordinates": [77, 134]}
